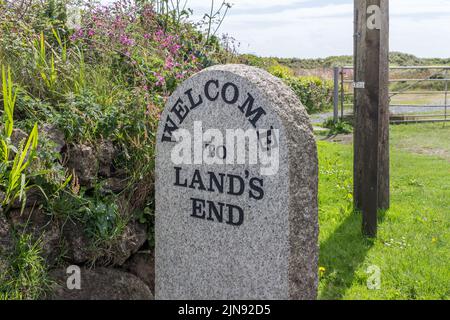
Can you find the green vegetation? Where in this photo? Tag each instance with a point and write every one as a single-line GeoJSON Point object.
{"type": "Point", "coordinates": [339, 127]}
{"type": "Point", "coordinates": [26, 275]}
{"type": "Point", "coordinates": [412, 249]}
{"type": "Point", "coordinates": [432, 139]}
{"type": "Point", "coordinates": [396, 59]}
{"type": "Point", "coordinates": [100, 79]}
{"type": "Point", "coordinates": [99, 76]}
{"type": "Point", "coordinates": [12, 176]}
{"type": "Point", "coordinates": [311, 79]}
{"type": "Point", "coordinates": [404, 59]}
{"type": "Point", "coordinates": [314, 92]}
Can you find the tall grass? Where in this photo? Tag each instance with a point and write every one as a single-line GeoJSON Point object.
{"type": "Point", "coordinates": [9, 101]}
{"type": "Point", "coordinates": [26, 275]}
{"type": "Point", "coordinates": [13, 172]}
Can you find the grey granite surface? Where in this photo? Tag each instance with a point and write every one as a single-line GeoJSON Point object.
{"type": "Point", "coordinates": [273, 253]}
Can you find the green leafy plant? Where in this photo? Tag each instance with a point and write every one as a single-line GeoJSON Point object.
{"type": "Point", "coordinates": [339, 127]}
{"type": "Point", "coordinates": [13, 174]}
{"type": "Point", "coordinates": [102, 220]}
{"type": "Point", "coordinates": [46, 69]}
{"type": "Point", "coordinates": [9, 101]}
{"type": "Point", "coordinates": [62, 46]}
{"type": "Point", "coordinates": [314, 92]}
{"type": "Point", "coordinates": [280, 71]}
{"type": "Point", "coordinates": [17, 183]}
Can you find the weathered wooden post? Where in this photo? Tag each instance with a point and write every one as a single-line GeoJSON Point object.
{"type": "Point", "coordinates": [371, 147]}
{"type": "Point", "coordinates": [342, 92]}
{"type": "Point", "coordinates": [336, 94]}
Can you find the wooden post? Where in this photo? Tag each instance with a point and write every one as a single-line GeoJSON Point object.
{"type": "Point", "coordinates": [342, 94]}
{"type": "Point", "coordinates": [336, 94]}
{"type": "Point", "coordinates": [371, 140]}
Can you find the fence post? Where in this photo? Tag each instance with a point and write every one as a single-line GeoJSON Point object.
{"type": "Point", "coordinates": [342, 93]}
{"type": "Point", "coordinates": [446, 95]}
{"type": "Point", "coordinates": [336, 95]}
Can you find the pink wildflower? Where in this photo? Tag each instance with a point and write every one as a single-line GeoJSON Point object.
{"type": "Point", "coordinates": [161, 81]}
{"type": "Point", "coordinates": [124, 40]}
{"type": "Point", "coordinates": [170, 64]}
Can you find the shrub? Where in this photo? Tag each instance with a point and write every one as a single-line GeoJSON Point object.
{"type": "Point", "coordinates": [315, 93]}
{"type": "Point", "coordinates": [339, 127]}
{"type": "Point", "coordinates": [281, 71]}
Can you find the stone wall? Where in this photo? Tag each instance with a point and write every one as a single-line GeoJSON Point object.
{"type": "Point", "coordinates": [121, 270]}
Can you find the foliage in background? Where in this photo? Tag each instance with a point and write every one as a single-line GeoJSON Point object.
{"type": "Point", "coordinates": [314, 92]}
{"type": "Point", "coordinates": [395, 58]}
{"type": "Point", "coordinates": [95, 73]}
{"type": "Point", "coordinates": [318, 98]}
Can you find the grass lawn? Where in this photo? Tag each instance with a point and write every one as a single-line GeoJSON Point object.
{"type": "Point", "coordinates": [428, 138]}
{"type": "Point", "coordinates": [412, 249]}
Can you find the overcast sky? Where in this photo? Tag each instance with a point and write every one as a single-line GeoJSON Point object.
{"type": "Point", "coordinates": [321, 28]}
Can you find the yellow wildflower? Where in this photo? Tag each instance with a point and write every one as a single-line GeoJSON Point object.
{"type": "Point", "coordinates": [322, 271]}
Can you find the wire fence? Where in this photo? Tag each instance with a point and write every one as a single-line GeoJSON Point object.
{"type": "Point", "coordinates": [417, 94]}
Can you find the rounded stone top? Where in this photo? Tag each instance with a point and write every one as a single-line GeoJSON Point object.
{"type": "Point", "coordinates": [284, 101]}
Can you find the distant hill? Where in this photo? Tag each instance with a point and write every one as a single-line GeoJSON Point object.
{"type": "Point", "coordinates": [396, 59]}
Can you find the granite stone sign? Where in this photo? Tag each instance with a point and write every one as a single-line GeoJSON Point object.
{"type": "Point", "coordinates": [236, 190]}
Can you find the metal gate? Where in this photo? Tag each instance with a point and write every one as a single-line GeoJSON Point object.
{"type": "Point", "coordinates": [426, 86]}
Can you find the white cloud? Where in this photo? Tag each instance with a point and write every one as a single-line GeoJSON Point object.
{"type": "Point", "coordinates": [311, 30]}
{"type": "Point", "coordinates": [245, 4]}
{"type": "Point", "coordinates": [320, 28]}
{"type": "Point", "coordinates": [402, 7]}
